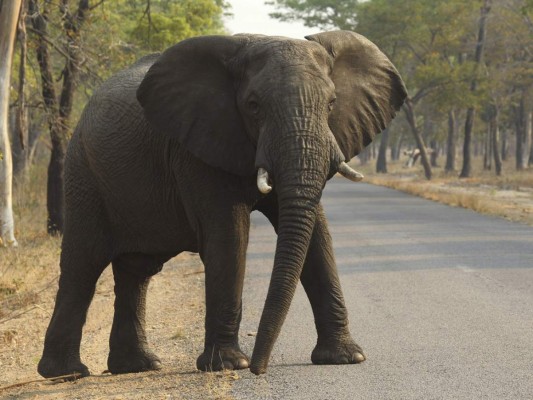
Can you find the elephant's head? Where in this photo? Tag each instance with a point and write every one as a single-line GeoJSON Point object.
{"type": "Point", "coordinates": [294, 110]}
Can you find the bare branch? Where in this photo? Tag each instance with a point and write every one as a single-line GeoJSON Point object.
{"type": "Point", "coordinates": [51, 43]}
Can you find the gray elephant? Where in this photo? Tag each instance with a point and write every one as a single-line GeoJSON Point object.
{"type": "Point", "coordinates": [175, 152]}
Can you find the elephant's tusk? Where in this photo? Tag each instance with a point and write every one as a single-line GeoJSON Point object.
{"type": "Point", "coordinates": [262, 181]}
{"type": "Point", "coordinates": [349, 173]}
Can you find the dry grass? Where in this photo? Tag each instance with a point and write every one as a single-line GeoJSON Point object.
{"type": "Point", "coordinates": [31, 268]}
{"type": "Point", "coordinates": [509, 196]}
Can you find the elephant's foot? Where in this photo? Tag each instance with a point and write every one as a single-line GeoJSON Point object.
{"type": "Point", "coordinates": [124, 362]}
{"type": "Point", "coordinates": [60, 366]}
{"type": "Point", "coordinates": [215, 358]}
{"type": "Point", "coordinates": [344, 351]}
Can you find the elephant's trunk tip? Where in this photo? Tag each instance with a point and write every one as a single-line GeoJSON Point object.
{"type": "Point", "coordinates": [349, 173]}
{"type": "Point", "coordinates": [258, 368]}
{"type": "Point", "coordinates": [262, 181]}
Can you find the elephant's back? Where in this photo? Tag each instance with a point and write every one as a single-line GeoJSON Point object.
{"type": "Point", "coordinates": [113, 114]}
{"type": "Point", "coordinates": [111, 144]}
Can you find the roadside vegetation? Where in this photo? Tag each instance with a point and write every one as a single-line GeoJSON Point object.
{"type": "Point", "coordinates": [509, 196]}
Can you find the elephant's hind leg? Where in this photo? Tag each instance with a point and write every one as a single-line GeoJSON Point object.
{"type": "Point", "coordinates": [128, 346]}
{"type": "Point", "coordinates": [84, 256]}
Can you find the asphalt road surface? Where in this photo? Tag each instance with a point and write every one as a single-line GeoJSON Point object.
{"type": "Point", "coordinates": [440, 299]}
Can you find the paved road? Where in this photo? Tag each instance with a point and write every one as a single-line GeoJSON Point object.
{"type": "Point", "coordinates": [440, 299]}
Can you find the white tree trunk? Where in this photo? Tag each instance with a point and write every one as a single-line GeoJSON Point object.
{"type": "Point", "coordinates": [9, 13]}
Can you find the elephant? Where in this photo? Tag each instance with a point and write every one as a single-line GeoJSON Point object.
{"type": "Point", "coordinates": [174, 153]}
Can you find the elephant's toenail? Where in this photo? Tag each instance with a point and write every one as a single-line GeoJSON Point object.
{"type": "Point", "coordinates": [156, 365]}
{"type": "Point", "coordinates": [358, 357]}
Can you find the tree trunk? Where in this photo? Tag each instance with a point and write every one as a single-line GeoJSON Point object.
{"type": "Point", "coordinates": [22, 158]}
{"type": "Point", "coordinates": [364, 155]}
{"type": "Point", "coordinates": [22, 125]}
{"type": "Point", "coordinates": [19, 154]}
{"type": "Point", "coordinates": [55, 168]}
{"type": "Point", "coordinates": [372, 150]}
{"type": "Point", "coordinates": [528, 119]}
{"type": "Point", "coordinates": [487, 149]}
{"type": "Point", "coordinates": [466, 171]}
{"type": "Point", "coordinates": [20, 133]}
{"type": "Point", "coordinates": [495, 135]}
{"type": "Point", "coordinates": [398, 147]}
{"type": "Point", "coordinates": [530, 163]}
{"type": "Point", "coordinates": [409, 112]}
{"type": "Point", "coordinates": [434, 154]}
{"type": "Point", "coordinates": [450, 142]}
{"type": "Point", "coordinates": [59, 112]}
{"type": "Point", "coordinates": [523, 117]}
{"type": "Point", "coordinates": [9, 13]}
{"type": "Point", "coordinates": [505, 145]}
{"type": "Point", "coordinates": [381, 164]}
{"type": "Point", "coordinates": [396, 150]}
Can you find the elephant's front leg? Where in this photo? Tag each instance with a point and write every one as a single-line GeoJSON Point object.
{"type": "Point", "coordinates": [223, 253]}
{"type": "Point", "coordinates": [321, 283]}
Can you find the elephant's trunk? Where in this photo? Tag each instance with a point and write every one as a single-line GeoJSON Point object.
{"type": "Point", "coordinates": [299, 188]}
{"type": "Point", "coordinates": [296, 222]}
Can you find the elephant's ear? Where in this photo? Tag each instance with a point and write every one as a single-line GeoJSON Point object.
{"type": "Point", "coordinates": [369, 89]}
{"type": "Point", "coordinates": [189, 94]}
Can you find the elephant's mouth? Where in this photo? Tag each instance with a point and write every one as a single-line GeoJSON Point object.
{"type": "Point", "coordinates": [344, 169]}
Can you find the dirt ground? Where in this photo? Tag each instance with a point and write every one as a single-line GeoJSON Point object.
{"type": "Point", "coordinates": [175, 331]}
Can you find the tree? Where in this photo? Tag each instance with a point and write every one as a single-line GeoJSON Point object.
{"type": "Point", "coordinates": [408, 108]}
{"type": "Point", "coordinates": [20, 131]}
{"type": "Point", "coordinates": [58, 109]}
{"type": "Point", "coordinates": [324, 14]}
{"type": "Point", "coordinates": [494, 132]}
{"type": "Point", "coordinates": [466, 171]}
{"type": "Point", "coordinates": [9, 14]}
{"type": "Point", "coordinates": [451, 141]}
{"type": "Point", "coordinates": [164, 23]}
{"type": "Point", "coordinates": [509, 69]}
{"type": "Point", "coordinates": [381, 163]}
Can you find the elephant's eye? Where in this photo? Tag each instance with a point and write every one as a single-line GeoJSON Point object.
{"type": "Point", "coordinates": [253, 106]}
{"type": "Point", "coordinates": [331, 103]}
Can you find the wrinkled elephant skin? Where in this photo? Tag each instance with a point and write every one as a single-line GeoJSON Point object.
{"type": "Point", "coordinates": [165, 159]}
